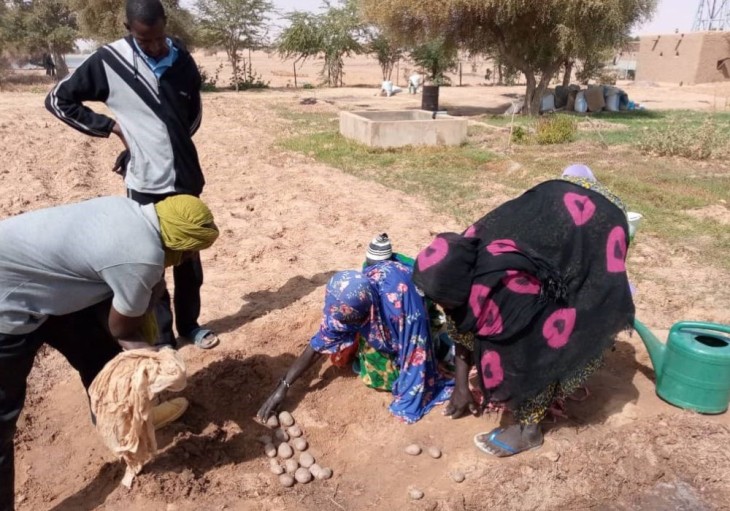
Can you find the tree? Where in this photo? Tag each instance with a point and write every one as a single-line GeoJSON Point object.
{"type": "Point", "coordinates": [3, 26]}
{"type": "Point", "coordinates": [387, 53]}
{"type": "Point", "coordinates": [301, 39]}
{"type": "Point", "coordinates": [234, 25]}
{"type": "Point", "coordinates": [3, 38]}
{"type": "Point", "coordinates": [334, 34]}
{"type": "Point", "coordinates": [103, 20]}
{"type": "Point", "coordinates": [342, 30]}
{"type": "Point", "coordinates": [535, 37]}
{"type": "Point", "coordinates": [437, 59]}
{"type": "Point", "coordinates": [594, 67]}
{"type": "Point", "coordinates": [568, 71]}
{"type": "Point", "coordinates": [36, 27]}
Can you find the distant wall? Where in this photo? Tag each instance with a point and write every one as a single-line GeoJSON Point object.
{"type": "Point", "coordinates": [683, 58]}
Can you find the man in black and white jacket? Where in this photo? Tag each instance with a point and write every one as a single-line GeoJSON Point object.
{"type": "Point", "coordinates": [152, 85]}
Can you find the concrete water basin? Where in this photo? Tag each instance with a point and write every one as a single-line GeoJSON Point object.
{"type": "Point", "coordinates": [398, 128]}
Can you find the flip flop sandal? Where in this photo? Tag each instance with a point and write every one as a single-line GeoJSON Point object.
{"type": "Point", "coordinates": [204, 338]}
{"type": "Point", "coordinates": [492, 438]}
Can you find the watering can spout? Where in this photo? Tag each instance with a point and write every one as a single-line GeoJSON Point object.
{"type": "Point", "coordinates": [654, 346]}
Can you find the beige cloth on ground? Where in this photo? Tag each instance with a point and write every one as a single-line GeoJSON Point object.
{"type": "Point", "coordinates": [121, 398]}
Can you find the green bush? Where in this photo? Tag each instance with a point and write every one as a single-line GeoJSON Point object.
{"type": "Point", "coordinates": [520, 135]}
{"type": "Point", "coordinates": [696, 142]}
{"type": "Point", "coordinates": [209, 83]}
{"type": "Point", "coordinates": [250, 80]}
{"type": "Point", "coordinates": [555, 129]}
{"type": "Point", "coordinates": [436, 58]}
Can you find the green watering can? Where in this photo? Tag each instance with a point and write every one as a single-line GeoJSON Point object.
{"type": "Point", "coordinates": [693, 367]}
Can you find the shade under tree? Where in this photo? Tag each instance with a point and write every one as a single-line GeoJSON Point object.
{"type": "Point", "coordinates": [535, 37]}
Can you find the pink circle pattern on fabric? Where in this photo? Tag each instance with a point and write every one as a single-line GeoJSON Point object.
{"type": "Point", "coordinates": [498, 247]}
{"type": "Point", "coordinates": [492, 371]}
{"type": "Point", "coordinates": [580, 207]}
{"type": "Point", "coordinates": [489, 319]}
{"type": "Point", "coordinates": [521, 282]}
{"type": "Point", "coordinates": [479, 293]}
{"type": "Point", "coordinates": [433, 254]}
{"type": "Point", "coordinates": [558, 327]}
{"type": "Point", "coordinates": [616, 250]}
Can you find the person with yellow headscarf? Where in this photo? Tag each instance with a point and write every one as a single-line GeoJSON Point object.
{"type": "Point", "coordinates": [83, 278]}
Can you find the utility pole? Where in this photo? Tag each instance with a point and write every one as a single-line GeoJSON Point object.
{"type": "Point", "coordinates": [712, 15]}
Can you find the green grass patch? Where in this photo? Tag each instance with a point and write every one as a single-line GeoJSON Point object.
{"type": "Point", "coordinates": [457, 179]}
{"type": "Point", "coordinates": [448, 176]}
{"type": "Point", "coordinates": [555, 129]}
{"type": "Point", "coordinates": [661, 189]}
{"type": "Point", "coordinates": [626, 128]}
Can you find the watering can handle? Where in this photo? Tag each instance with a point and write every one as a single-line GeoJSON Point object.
{"type": "Point", "coordinates": [716, 327]}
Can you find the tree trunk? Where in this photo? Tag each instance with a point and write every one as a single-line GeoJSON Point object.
{"type": "Point", "coordinates": [568, 75]}
{"type": "Point", "coordinates": [232, 53]}
{"type": "Point", "coordinates": [539, 93]}
{"type": "Point", "coordinates": [500, 73]}
{"type": "Point", "coordinates": [388, 70]}
{"type": "Point", "coordinates": [530, 93]}
{"type": "Point", "coordinates": [536, 90]}
{"type": "Point", "coordinates": [235, 75]}
{"type": "Point", "coordinates": [295, 75]}
{"type": "Point", "coordinates": [60, 61]}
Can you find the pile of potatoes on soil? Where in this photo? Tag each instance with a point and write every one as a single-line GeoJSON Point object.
{"type": "Point", "coordinates": [289, 459]}
{"type": "Point", "coordinates": [288, 440]}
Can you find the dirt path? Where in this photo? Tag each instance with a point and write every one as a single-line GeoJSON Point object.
{"type": "Point", "coordinates": [288, 223]}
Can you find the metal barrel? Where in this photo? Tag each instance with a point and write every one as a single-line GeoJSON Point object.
{"type": "Point", "coordinates": [430, 98]}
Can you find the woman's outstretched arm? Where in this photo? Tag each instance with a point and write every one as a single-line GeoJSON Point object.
{"type": "Point", "coordinates": [300, 365]}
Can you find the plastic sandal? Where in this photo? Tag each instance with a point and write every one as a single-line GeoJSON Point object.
{"type": "Point", "coordinates": [204, 338]}
{"type": "Point", "coordinates": [492, 439]}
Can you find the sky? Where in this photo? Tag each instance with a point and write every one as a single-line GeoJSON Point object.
{"type": "Point", "coordinates": [670, 14]}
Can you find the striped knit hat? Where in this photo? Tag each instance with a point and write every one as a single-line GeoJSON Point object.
{"type": "Point", "coordinates": [380, 248]}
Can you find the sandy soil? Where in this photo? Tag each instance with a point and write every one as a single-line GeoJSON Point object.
{"type": "Point", "coordinates": [287, 223]}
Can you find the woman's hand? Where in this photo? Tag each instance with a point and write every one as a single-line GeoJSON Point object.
{"type": "Point", "coordinates": [301, 364]}
{"type": "Point", "coordinates": [271, 405]}
{"type": "Point", "coordinates": [461, 403]}
{"type": "Point", "coordinates": [462, 400]}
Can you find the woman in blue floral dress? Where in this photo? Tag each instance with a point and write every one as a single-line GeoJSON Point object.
{"type": "Point", "coordinates": [381, 308]}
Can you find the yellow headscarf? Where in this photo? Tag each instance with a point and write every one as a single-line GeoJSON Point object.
{"type": "Point", "coordinates": [186, 224]}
